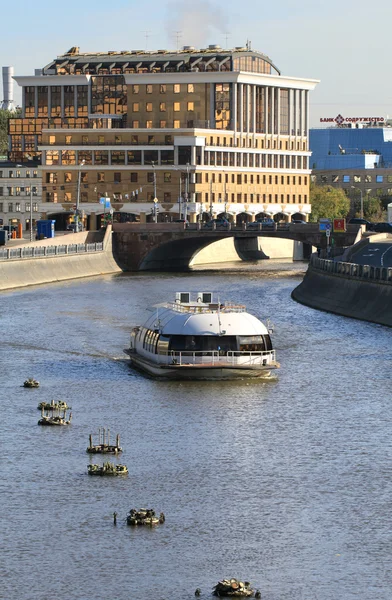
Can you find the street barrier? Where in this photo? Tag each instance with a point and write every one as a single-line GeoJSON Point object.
{"type": "Point", "coordinates": [352, 270]}
{"type": "Point", "coordinates": [45, 251]}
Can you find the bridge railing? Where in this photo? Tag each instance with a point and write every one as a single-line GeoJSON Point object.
{"type": "Point", "coordinates": [353, 270]}
{"type": "Point", "coordinates": [49, 251]}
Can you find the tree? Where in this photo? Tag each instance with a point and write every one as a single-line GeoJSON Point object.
{"type": "Point", "coordinates": [372, 209]}
{"type": "Point", "coordinates": [328, 203]}
{"type": "Point", "coordinates": [5, 115]}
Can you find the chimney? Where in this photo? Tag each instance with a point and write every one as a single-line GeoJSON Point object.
{"type": "Point", "coordinates": [8, 89]}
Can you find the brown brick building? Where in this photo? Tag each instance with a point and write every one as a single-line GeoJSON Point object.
{"type": "Point", "coordinates": [204, 132]}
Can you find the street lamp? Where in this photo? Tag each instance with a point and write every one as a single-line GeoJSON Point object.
{"type": "Point", "coordinates": [155, 193]}
{"type": "Point", "coordinates": [360, 191]}
{"type": "Point", "coordinates": [78, 197]}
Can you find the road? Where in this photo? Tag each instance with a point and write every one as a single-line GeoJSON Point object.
{"type": "Point", "coordinates": [375, 255]}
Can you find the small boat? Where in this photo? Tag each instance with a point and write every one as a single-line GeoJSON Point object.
{"type": "Point", "coordinates": [55, 417]}
{"type": "Point", "coordinates": [31, 383]}
{"type": "Point", "coordinates": [234, 587]}
{"type": "Point", "coordinates": [144, 516]}
{"type": "Point", "coordinates": [107, 468]}
{"type": "Point", "coordinates": [104, 446]}
{"type": "Point", "coordinates": [59, 405]}
{"type": "Point", "coordinates": [202, 338]}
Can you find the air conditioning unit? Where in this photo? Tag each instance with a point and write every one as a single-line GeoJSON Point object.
{"type": "Point", "coordinates": [204, 297]}
{"type": "Point", "coordinates": [183, 297]}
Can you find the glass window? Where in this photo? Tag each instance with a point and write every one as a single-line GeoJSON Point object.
{"type": "Point", "coordinates": [117, 177]}
{"type": "Point", "coordinates": [162, 106]}
{"type": "Point", "coordinates": [134, 157]}
{"type": "Point", "coordinates": [162, 89]}
{"type": "Point", "coordinates": [101, 177]}
{"type": "Point", "coordinates": [135, 107]}
{"type": "Point", "coordinates": [167, 157]}
{"type": "Point", "coordinates": [101, 157]}
{"type": "Point", "coordinates": [379, 178]}
{"type": "Point", "coordinates": [134, 140]}
{"type": "Point", "coordinates": [176, 88]}
{"type": "Point", "coordinates": [176, 107]}
{"type": "Point", "coordinates": [162, 124]}
{"type": "Point", "coordinates": [191, 106]}
{"type": "Point", "coordinates": [150, 156]}
{"type": "Point", "coordinates": [118, 157]}
{"type": "Point", "coordinates": [149, 106]}
{"type": "Point", "coordinates": [167, 177]}
{"type": "Point", "coordinates": [176, 125]}
{"type": "Point", "coordinates": [135, 124]}
{"type": "Point", "coordinates": [151, 139]}
{"type": "Point", "coordinates": [134, 177]}
{"type": "Point", "coordinates": [68, 139]}
{"type": "Point", "coordinates": [148, 124]}
{"type": "Point", "coordinates": [346, 178]}
{"type": "Point", "coordinates": [191, 88]}
{"type": "Point", "coordinates": [149, 89]}
{"type": "Point", "coordinates": [135, 89]}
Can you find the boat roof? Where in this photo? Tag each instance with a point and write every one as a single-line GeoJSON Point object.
{"type": "Point", "coordinates": [169, 319]}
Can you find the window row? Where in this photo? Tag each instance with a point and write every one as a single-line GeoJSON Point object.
{"type": "Point", "coordinates": [17, 191]}
{"type": "Point", "coordinates": [18, 174]}
{"type": "Point", "coordinates": [257, 198]}
{"type": "Point", "coordinates": [163, 106]}
{"type": "Point", "coordinates": [353, 178]}
{"type": "Point", "coordinates": [258, 161]}
{"type": "Point", "coordinates": [134, 140]}
{"type": "Point", "coordinates": [245, 178]}
{"type": "Point", "coordinates": [18, 207]}
{"type": "Point", "coordinates": [110, 157]}
{"type": "Point", "coordinates": [163, 88]}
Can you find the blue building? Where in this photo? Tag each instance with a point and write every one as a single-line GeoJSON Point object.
{"type": "Point", "coordinates": [357, 159]}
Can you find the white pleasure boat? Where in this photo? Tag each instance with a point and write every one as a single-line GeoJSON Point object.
{"type": "Point", "coordinates": [202, 339]}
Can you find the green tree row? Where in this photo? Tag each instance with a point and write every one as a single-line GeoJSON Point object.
{"type": "Point", "coordinates": [5, 115]}
{"type": "Point", "coordinates": [329, 203]}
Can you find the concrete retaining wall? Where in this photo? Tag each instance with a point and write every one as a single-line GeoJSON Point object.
{"type": "Point", "coordinates": [26, 272]}
{"type": "Point", "coordinates": [359, 299]}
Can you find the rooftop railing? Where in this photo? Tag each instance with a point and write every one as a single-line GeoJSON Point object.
{"type": "Point", "coordinates": [218, 357]}
{"type": "Point", "coordinates": [203, 308]}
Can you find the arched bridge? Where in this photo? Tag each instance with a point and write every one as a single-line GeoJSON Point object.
{"type": "Point", "coordinates": [171, 246]}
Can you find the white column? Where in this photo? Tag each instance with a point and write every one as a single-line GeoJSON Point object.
{"type": "Point", "coordinates": [193, 155]}
{"type": "Point", "coordinates": [247, 100]}
{"type": "Point", "coordinates": [278, 109]}
{"type": "Point", "coordinates": [234, 107]}
{"type": "Point", "coordinates": [254, 109]}
{"type": "Point", "coordinates": [295, 111]}
{"type": "Point", "coordinates": [272, 110]}
{"type": "Point", "coordinates": [307, 112]}
{"type": "Point", "coordinates": [266, 94]}
{"type": "Point", "coordinates": [301, 114]}
{"type": "Point", "coordinates": [290, 111]}
{"type": "Point", "coordinates": [241, 106]}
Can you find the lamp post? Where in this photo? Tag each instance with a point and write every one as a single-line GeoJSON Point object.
{"type": "Point", "coordinates": [31, 212]}
{"type": "Point", "coordinates": [155, 193]}
{"type": "Point", "coordinates": [360, 191]}
{"type": "Point", "coordinates": [78, 197]}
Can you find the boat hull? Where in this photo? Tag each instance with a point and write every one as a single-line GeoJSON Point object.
{"type": "Point", "coordinates": [201, 371]}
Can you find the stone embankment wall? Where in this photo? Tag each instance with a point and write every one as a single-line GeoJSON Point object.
{"type": "Point", "coordinates": [357, 291]}
{"type": "Point", "coordinates": [34, 271]}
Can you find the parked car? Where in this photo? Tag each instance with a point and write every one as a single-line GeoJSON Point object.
{"type": "Point", "coordinates": [382, 227]}
{"type": "Point", "coordinates": [265, 224]}
{"type": "Point", "coordinates": [219, 223]}
{"type": "Point", "coordinates": [360, 221]}
{"type": "Point", "coordinates": [298, 222]}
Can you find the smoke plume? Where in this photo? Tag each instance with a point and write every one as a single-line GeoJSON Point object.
{"type": "Point", "coordinates": [193, 23]}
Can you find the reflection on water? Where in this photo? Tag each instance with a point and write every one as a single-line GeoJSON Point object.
{"type": "Point", "coordinates": [283, 483]}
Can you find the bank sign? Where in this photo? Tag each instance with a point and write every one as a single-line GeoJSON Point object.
{"type": "Point", "coordinates": [340, 120]}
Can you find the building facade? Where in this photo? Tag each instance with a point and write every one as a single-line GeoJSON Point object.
{"type": "Point", "coordinates": [19, 185]}
{"type": "Point", "coordinates": [193, 133]}
{"type": "Point", "coordinates": [357, 159]}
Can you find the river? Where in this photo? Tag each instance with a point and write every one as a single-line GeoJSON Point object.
{"type": "Point", "coordinates": [285, 483]}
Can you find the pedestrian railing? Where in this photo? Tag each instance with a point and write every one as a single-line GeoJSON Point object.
{"type": "Point", "coordinates": [353, 270]}
{"type": "Point", "coordinates": [49, 251]}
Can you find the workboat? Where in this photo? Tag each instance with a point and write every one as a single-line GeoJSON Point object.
{"type": "Point", "coordinates": [202, 338]}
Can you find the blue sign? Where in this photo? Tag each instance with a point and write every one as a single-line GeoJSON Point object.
{"type": "Point", "coordinates": [107, 202]}
{"type": "Point", "coordinates": [102, 200]}
{"type": "Point", "coordinates": [325, 225]}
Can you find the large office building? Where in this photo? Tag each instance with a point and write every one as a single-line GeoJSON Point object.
{"type": "Point", "coordinates": [356, 156]}
{"type": "Point", "coordinates": [201, 132]}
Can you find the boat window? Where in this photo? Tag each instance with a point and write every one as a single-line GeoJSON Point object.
{"type": "Point", "coordinates": [203, 343]}
{"type": "Point", "coordinates": [253, 343]}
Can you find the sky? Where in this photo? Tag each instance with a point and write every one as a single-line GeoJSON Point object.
{"type": "Point", "coordinates": [344, 44]}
